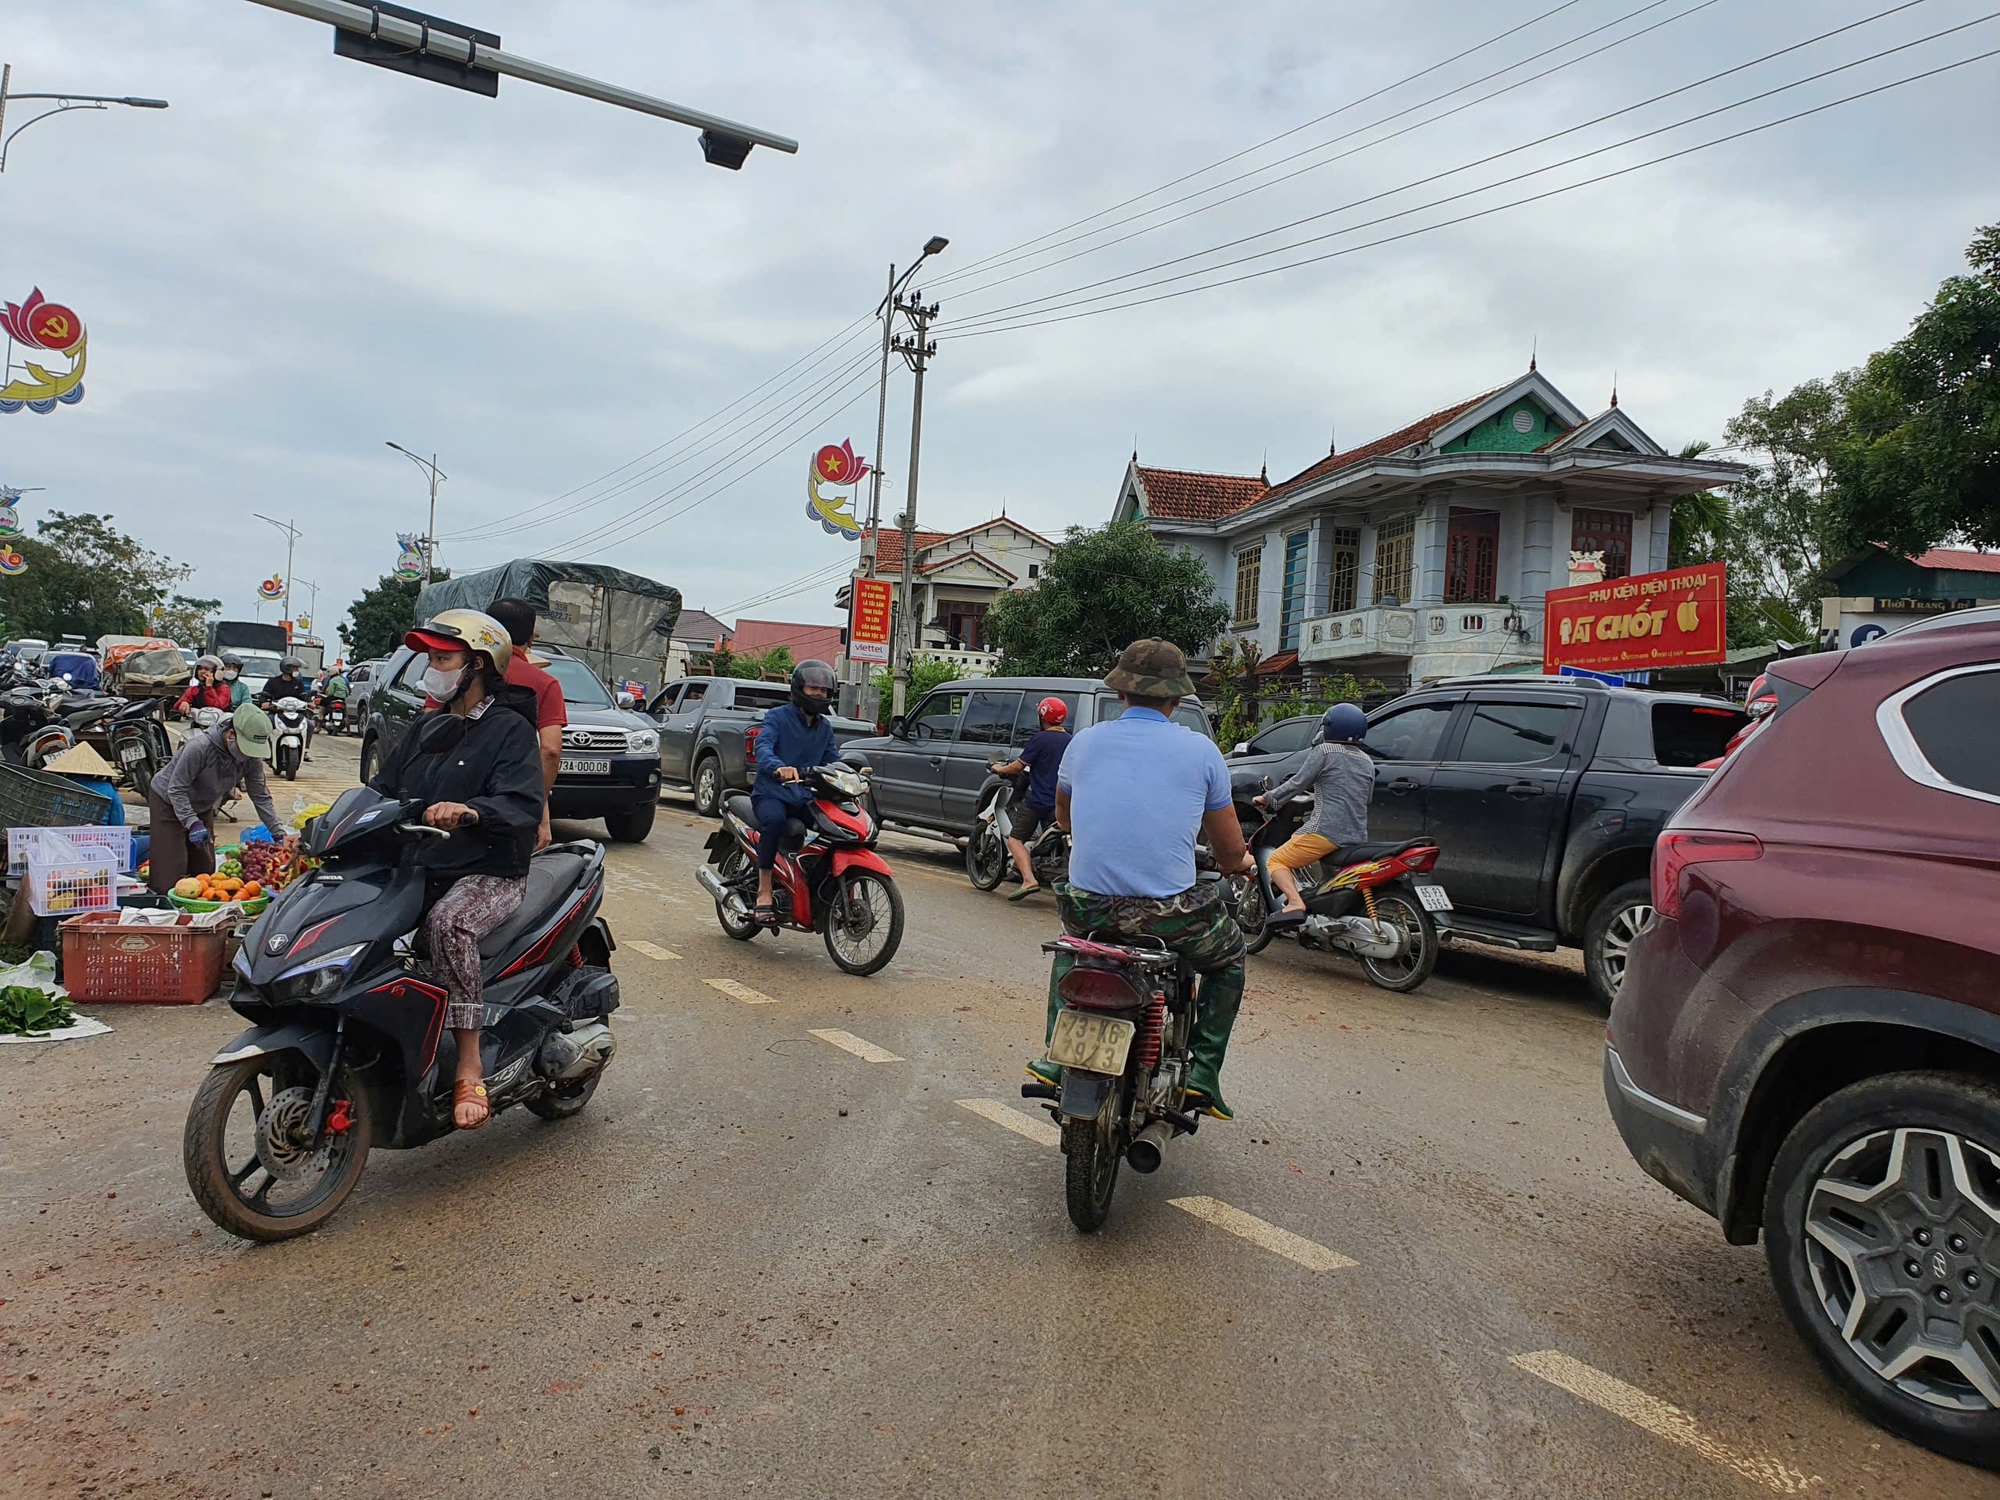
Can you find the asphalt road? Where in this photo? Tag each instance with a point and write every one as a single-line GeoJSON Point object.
{"type": "Point", "coordinates": [1419, 1263]}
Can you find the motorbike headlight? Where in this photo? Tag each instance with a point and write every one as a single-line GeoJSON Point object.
{"type": "Point", "coordinates": [642, 742]}
{"type": "Point", "coordinates": [317, 978]}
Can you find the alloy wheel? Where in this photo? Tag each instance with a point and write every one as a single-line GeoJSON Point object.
{"type": "Point", "coordinates": [1616, 950]}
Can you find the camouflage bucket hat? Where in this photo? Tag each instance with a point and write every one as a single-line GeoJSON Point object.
{"type": "Point", "coordinates": [1151, 669]}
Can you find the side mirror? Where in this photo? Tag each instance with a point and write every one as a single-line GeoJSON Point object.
{"type": "Point", "coordinates": [627, 700]}
{"type": "Point", "coordinates": [899, 728]}
{"type": "Point", "coordinates": [1242, 748]}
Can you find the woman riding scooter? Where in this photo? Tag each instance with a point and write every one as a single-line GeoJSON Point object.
{"type": "Point", "coordinates": [207, 690]}
{"type": "Point", "coordinates": [475, 764]}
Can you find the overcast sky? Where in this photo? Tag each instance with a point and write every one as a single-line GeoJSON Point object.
{"type": "Point", "coordinates": [306, 256]}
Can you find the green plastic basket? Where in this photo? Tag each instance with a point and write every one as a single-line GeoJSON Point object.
{"type": "Point", "coordinates": [249, 908]}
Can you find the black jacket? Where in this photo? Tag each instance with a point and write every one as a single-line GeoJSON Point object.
{"type": "Point", "coordinates": [496, 770]}
{"type": "Point", "coordinates": [275, 688]}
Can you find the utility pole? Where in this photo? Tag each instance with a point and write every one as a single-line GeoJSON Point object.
{"type": "Point", "coordinates": [430, 467]}
{"type": "Point", "coordinates": [871, 538]}
{"type": "Point", "coordinates": [291, 534]}
{"type": "Point", "coordinates": [916, 351]}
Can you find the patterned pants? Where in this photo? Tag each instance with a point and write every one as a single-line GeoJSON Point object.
{"type": "Point", "coordinates": [473, 907]}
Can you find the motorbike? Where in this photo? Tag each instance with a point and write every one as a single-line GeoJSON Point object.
{"type": "Point", "coordinates": [1379, 905]}
{"type": "Point", "coordinates": [138, 737]}
{"type": "Point", "coordinates": [31, 729]}
{"type": "Point", "coordinates": [332, 714]}
{"type": "Point", "coordinates": [291, 730]}
{"type": "Point", "coordinates": [987, 859]}
{"type": "Point", "coordinates": [347, 1048]}
{"type": "Point", "coordinates": [828, 878]}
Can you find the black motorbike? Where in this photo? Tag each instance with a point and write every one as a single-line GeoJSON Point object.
{"type": "Point", "coordinates": [139, 745]}
{"type": "Point", "coordinates": [987, 859]}
{"type": "Point", "coordinates": [347, 1047]}
{"type": "Point", "coordinates": [31, 729]}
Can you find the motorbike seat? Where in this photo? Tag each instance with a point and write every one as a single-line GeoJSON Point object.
{"type": "Point", "coordinates": [739, 804]}
{"type": "Point", "coordinates": [552, 876]}
{"type": "Point", "coordinates": [1355, 854]}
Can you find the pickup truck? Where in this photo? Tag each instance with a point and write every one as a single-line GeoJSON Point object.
{"type": "Point", "coordinates": [707, 726]}
{"type": "Point", "coordinates": [1543, 794]}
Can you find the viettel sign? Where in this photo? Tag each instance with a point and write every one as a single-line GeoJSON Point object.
{"type": "Point", "coordinates": [1670, 619]}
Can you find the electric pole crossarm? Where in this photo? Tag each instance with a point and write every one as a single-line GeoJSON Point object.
{"type": "Point", "coordinates": [367, 21]}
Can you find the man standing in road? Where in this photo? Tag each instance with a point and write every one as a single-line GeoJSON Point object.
{"type": "Point", "coordinates": [517, 618]}
{"type": "Point", "coordinates": [1134, 794]}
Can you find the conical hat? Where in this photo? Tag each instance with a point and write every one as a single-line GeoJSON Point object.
{"type": "Point", "coordinates": [81, 760]}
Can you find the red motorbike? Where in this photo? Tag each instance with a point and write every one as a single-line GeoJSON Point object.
{"type": "Point", "coordinates": [828, 878]}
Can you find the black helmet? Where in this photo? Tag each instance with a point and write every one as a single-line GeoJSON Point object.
{"type": "Point", "coordinates": [816, 675]}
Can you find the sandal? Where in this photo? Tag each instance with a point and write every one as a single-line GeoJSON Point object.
{"type": "Point", "coordinates": [1024, 892]}
{"type": "Point", "coordinates": [469, 1091]}
{"type": "Point", "coordinates": [766, 915]}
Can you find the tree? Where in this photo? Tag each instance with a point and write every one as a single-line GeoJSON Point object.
{"type": "Point", "coordinates": [1785, 525]}
{"type": "Point", "coordinates": [382, 616]}
{"type": "Point", "coordinates": [1101, 590]}
{"type": "Point", "coordinates": [85, 577]}
{"type": "Point", "coordinates": [184, 620]}
{"type": "Point", "coordinates": [926, 672]}
{"type": "Point", "coordinates": [1705, 528]}
{"type": "Point", "coordinates": [1921, 464]}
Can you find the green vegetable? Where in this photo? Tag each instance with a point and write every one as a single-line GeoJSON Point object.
{"type": "Point", "coordinates": [27, 1011]}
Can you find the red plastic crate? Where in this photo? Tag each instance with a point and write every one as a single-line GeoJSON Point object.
{"type": "Point", "coordinates": [104, 962]}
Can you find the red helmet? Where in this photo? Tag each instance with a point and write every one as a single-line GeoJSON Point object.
{"type": "Point", "coordinates": [1052, 710]}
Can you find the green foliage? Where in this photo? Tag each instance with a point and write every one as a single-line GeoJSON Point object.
{"type": "Point", "coordinates": [85, 577]}
{"type": "Point", "coordinates": [926, 672]}
{"type": "Point", "coordinates": [773, 664]}
{"type": "Point", "coordinates": [183, 620]}
{"type": "Point", "coordinates": [1706, 528]}
{"type": "Point", "coordinates": [1784, 522]}
{"type": "Point", "coordinates": [1920, 464]}
{"type": "Point", "coordinates": [27, 1011]}
{"type": "Point", "coordinates": [1244, 703]}
{"type": "Point", "coordinates": [1102, 590]}
{"type": "Point", "coordinates": [377, 622]}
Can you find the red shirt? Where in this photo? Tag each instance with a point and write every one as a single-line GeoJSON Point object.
{"type": "Point", "coordinates": [550, 710]}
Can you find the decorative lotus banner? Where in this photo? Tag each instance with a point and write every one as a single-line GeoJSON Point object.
{"type": "Point", "coordinates": [10, 518]}
{"type": "Point", "coordinates": [271, 588]}
{"type": "Point", "coordinates": [839, 467]}
{"type": "Point", "coordinates": [39, 326]}
{"type": "Point", "coordinates": [11, 562]}
{"type": "Point", "coordinates": [409, 557]}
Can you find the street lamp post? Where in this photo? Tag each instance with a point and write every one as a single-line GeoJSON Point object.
{"type": "Point", "coordinates": [917, 350]}
{"type": "Point", "coordinates": [291, 534]}
{"type": "Point", "coordinates": [429, 466]}
{"type": "Point", "coordinates": [62, 104]}
{"type": "Point", "coordinates": [887, 311]}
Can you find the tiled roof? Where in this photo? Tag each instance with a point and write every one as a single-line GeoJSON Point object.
{"type": "Point", "coordinates": [1406, 437]}
{"type": "Point", "coordinates": [1959, 562]}
{"type": "Point", "coordinates": [1186, 495]}
{"type": "Point", "coordinates": [700, 625]}
{"type": "Point", "coordinates": [889, 549]}
{"type": "Point", "coordinates": [804, 641]}
{"type": "Point", "coordinates": [1281, 661]}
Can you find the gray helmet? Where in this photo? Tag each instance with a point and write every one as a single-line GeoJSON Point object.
{"type": "Point", "coordinates": [291, 665]}
{"type": "Point", "coordinates": [231, 659]}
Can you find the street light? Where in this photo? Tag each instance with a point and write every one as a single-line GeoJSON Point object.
{"type": "Point", "coordinates": [437, 475]}
{"type": "Point", "coordinates": [886, 312]}
{"type": "Point", "coordinates": [63, 103]}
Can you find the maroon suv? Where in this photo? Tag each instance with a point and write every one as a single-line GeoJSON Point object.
{"type": "Point", "coordinates": [1807, 1042]}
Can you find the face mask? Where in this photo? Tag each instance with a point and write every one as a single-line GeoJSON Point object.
{"type": "Point", "coordinates": [441, 685]}
{"type": "Point", "coordinates": [228, 674]}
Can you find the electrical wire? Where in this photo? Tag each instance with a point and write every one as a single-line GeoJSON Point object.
{"type": "Point", "coordinates": [998, 324]}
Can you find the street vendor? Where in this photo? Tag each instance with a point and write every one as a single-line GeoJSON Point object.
{"type": "Point", "coordinates": [185, 795]}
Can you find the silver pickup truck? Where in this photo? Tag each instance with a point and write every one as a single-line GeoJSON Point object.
{"type": "Point", "coordinates": [707, 728]}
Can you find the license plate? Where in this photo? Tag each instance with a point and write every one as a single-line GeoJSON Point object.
{"type": "Point", "coordinates": [131, 752]}
{"type": "Point", "coordinates": [1433, 897]}
{"type": "Point", "coordinates": [1097, 1044]}
{"type": "Point", "coordinates": [576, 766]}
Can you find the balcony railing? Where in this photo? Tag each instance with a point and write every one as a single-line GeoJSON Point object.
{"type": "Point", "coordinates": [1414, 630]}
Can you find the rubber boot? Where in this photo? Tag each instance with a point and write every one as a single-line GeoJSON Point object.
{"type": "Point", "coordinates": [1220, 997]}
{"type": "Point", "coordinates": [1041, 1068]}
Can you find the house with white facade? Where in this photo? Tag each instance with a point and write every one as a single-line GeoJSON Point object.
{"type": "Point", "coordinates": [958, 575]}
{"type": "Point", "coordinates": [1426, 553]}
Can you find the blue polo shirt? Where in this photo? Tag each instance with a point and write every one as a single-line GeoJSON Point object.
{"type": "Point", "coordinates": [1138, 787]}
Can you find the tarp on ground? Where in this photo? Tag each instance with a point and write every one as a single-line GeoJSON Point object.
{"type": "Point", "coordinates": [621, 623]}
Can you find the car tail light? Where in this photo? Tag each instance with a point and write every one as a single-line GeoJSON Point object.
{"type": "Point", "coordinates": [1676, 850]}
{"type": "Point", "coordinates": [1099, 989]}
{"type": "Point", "coordinates": [750, 741]}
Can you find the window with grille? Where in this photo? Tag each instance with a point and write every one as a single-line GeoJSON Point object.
{"type": "Point", "coordinates": [1342, 585]}
{"type": "Point", "coordinates": [1606, 531]}
{"type": "Point", "coordinates": [1292, 604]}
{"type": "Point", "coordinates": [1249, 572]}
{"type": "Point", "coordinates": [1471, 556]}
{"type": "Point", "coordinates": [1395, 559]}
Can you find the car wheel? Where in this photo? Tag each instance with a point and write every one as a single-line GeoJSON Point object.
{"type": "Point", "coordinates": [1882, 1229]}
{"type": "Point", "coordinates": [708, 786]}
{"type": "Point", "coordinates": [633, 826]}
{"type": "Point", "coordinates": [371, 761]}
{"type": "Point", "coordinates": [1608, 935]}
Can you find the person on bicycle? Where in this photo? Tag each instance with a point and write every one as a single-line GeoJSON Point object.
{"type": "Point", "coordinates": [1041, 758]}
{"type": "Point", "coordinates": [793, 738]}
{"type": "Point", "coordinates": [1135, 794]}
{"type": "Point", "coordinates": [1342, 778]}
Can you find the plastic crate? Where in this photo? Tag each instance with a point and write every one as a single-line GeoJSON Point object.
{"type": "Point", "coordinates": [178, 965]}
{"type": "Point", "coordinates": [117, 837]}
{"type": "Point", "coordinates": [43, 799]}
{"type": "Point", "coordinates": [64, 878]}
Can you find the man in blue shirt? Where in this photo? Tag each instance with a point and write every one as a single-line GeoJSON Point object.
{"type": "Point", "coordinates": [1134, 794]}
{"type": "Point", "coordinates": [793, 738]}
{"type": "Point", "coordinates": [1041, 758]}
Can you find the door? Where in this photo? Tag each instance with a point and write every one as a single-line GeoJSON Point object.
{"type": "Point", "coordinates": [909, 770]}
{"type": "Point", "coordinates": [1404, 745]}
{"type": "Point", "coordinates": [679, 718]}
{"type": "Point", "coordinates": [1498, 802]}
{"type": "Point", "coordinates": [984, 736]}
{"type": "Point", "coordinates": [400, 704]}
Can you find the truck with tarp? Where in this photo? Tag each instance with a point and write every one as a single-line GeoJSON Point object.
{"type": "Point", "coordinates": [618, 623]}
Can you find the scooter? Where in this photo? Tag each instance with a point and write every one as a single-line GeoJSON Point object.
{"type": "Point", "coordinates": [828, 878]}
{"type": "Point", "coordinates": [139, 745]}
{"type": "Point", "coordinates": [291, 729]}
{"type": "Point", "coordinates": [1379, 904]}
{"type": "Point", "coordinates": [31, 731]}
{"type": "Point", "coordinates": [332, 714]}
{"type": "Point", "coordinates": [987, 858]}
{"type": "Point", "coordinates": [347, 1048]}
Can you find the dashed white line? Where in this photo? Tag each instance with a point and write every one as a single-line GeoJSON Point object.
{"type": "Point", "coordinates": [1314, 1257]}
{"type": "Point", "coordinates": [653, 950]}
{"type": "Point", "coordinates": [847, 1041]}
{"type": "Point", "coordinates": [1661, 1418]}
{"type": "Point", "coordinates": [1040, 1133]}
{"type": "Point", "coordinates": [741, 992]}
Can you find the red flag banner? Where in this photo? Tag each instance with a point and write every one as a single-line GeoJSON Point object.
{"type": "Point", "coordinates": [1670, 619]}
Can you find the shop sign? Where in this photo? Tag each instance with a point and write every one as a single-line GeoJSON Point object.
{"type": "Point", "coordinates": [1671, 619]}
{"type": "Point", "coordinates": [1921, 606]}
{"type": "Point", "coordinates": [868, 626]}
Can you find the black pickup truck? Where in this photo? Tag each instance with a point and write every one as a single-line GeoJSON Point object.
{"type": "Point", "coordinates": [1544, 796]}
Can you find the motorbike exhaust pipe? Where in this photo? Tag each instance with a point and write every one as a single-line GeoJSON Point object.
{"type": "Point", "coordinates": [1148, 1146]}
{"type": "Point", "coordinates": [567, 1055]}
{"type": "Point", "coordinates": [711, 882]}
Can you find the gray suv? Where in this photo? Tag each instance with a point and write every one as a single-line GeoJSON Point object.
{"type": "Point", "coordinates": [930, 769]}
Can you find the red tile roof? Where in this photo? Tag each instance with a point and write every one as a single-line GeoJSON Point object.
{"type": "Point", "coordinates": [804, 641]}
{"type": "Point", "coordinates": [889, 550]}
{"type": "Point", "coordinates": [1405, 437]}
{"type": "Point", "coordinates": [1187, 495]}
{"type": "Point", "coordinates": [1959, 562]}
{"type": "Point", "coordinates": [1281, 661]}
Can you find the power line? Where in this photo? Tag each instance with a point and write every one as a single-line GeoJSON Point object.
{"type": "Point", "coordinates": [1000, 324]}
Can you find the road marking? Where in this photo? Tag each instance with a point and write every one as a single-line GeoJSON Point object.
{"type": "Point", "coordinates": [741, 992]}
{"type": "Point", "coordinates": [653, 950]}
{"type": "Point", "coordinates": [1278, 1241]}
{"type": "Point", "coordinates": [847, 1041]}
{"type": "Point", "coordinates": [1660, 1418]}
{"type": "Point", "coordinates": [1000, 1114]}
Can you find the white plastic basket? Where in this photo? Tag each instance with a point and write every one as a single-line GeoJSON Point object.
{"type": "Point", "coordinates": [115, 837]}
{"type": "Point", "coordinates": [65, 878]}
